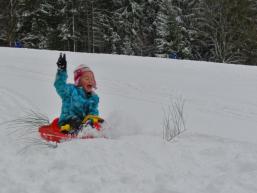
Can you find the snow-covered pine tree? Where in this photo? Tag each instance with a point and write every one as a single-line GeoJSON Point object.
{"type": "Point", "coordinates": [126, 24]}
{"type": "Point", "coordinates": [67, 26]}
{"type": "Point", "coordinates": [162, 29]}
{"type": "Point", "coordinates": [147, 28]}
{"type": "Point", "coordinates": [4, 17]}
{"type": "Point", "coordinates": [183, 27]}
{"type": "Point", "coordinates": [91, 22]}
{"type": "Point", "coordinates": [107, 25]}
{"type": "Point", "coordinates": [100, 24]}
{"type": "Point", "coordinates": [210, 19]}
{"type": "Point", "coordinates": [8, 22]}
{"type": "Point", "coordinates": [246, 25]}
{"type": "Point", "coordinates": [54, 20]}
{"type": "Point", "coordinates": [223, 29]}
{"type": "Point", "coordinates": [32, 23]}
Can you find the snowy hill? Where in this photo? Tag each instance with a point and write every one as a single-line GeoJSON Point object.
{"type": "Point", "coordinates": [217, 152]}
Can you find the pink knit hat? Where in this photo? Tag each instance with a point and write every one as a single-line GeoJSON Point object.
{"type": "Point", "coordinates": [78, 72]}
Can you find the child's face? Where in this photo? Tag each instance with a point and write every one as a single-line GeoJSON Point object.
{"type": "Point", "coordinates": [87, 81]}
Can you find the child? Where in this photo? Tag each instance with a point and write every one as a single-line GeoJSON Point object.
{"type": "Point", "coordinates": [78, 99]}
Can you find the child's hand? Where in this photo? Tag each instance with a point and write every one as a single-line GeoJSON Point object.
{"type": "Point", "coordinates": [61, 62]}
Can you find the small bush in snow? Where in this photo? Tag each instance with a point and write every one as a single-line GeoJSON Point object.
{"type": "Point", "coordinates": [173, 119]}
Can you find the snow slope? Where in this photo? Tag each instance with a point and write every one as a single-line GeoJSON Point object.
{"type": "Point", "coordinates": [217, 152]}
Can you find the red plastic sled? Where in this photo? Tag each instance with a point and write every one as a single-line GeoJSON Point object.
{"type": "Point", "coordinates": [51, 133]}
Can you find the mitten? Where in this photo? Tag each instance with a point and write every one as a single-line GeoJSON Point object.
{"type": "Point", "coordinates": [61, 62]}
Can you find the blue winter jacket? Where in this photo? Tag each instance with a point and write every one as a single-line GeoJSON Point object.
{"type": "Point", "coordinates": [76, 103]}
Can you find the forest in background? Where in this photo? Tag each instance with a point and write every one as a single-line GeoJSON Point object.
{"type": "Point", "coordinates": [209, 30]}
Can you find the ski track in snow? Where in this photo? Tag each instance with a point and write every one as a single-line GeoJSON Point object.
{"type": "Point", "coordinates": [134, 91]}
{"type": "Point", "coordinates": [27, 73]}
{"type": "Point", "coordinates": [163, 96]}
{"type": "Point", "coordinates": [240, 110]}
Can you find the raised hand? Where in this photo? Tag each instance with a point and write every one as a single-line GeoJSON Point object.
{"type": "Point", "coordinates": [61, 62]}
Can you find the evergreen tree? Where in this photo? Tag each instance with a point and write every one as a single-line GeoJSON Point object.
{"type": "Point", "coordinates": [147, 27]}
{"type": "Point", "coordinates": [67, 26]}
{"type": "Point", "coordinates": [128, 14]}
{"type": "Point", "coordinates": [100, 25]}
{"type": "Point", "coordinates": [162, 29]}
{"type": "Point", "coordinates": [93, 25]}
{"type": "Point", "coordinates": [184, 32]}
{"type": "Point", "coordinates": [246, 24]}
{"type": "Point", "coordinates": [8, 22]}
{"type": "Point", "coordinates": [4, 23]}
{"type": "Point", "coordinates": [223, 30]}
{"type": "Point", "coordinates": [32, 28]}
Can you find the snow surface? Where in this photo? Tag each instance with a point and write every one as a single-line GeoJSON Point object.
{"type": "Point", "coordinates": [216, 154]}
